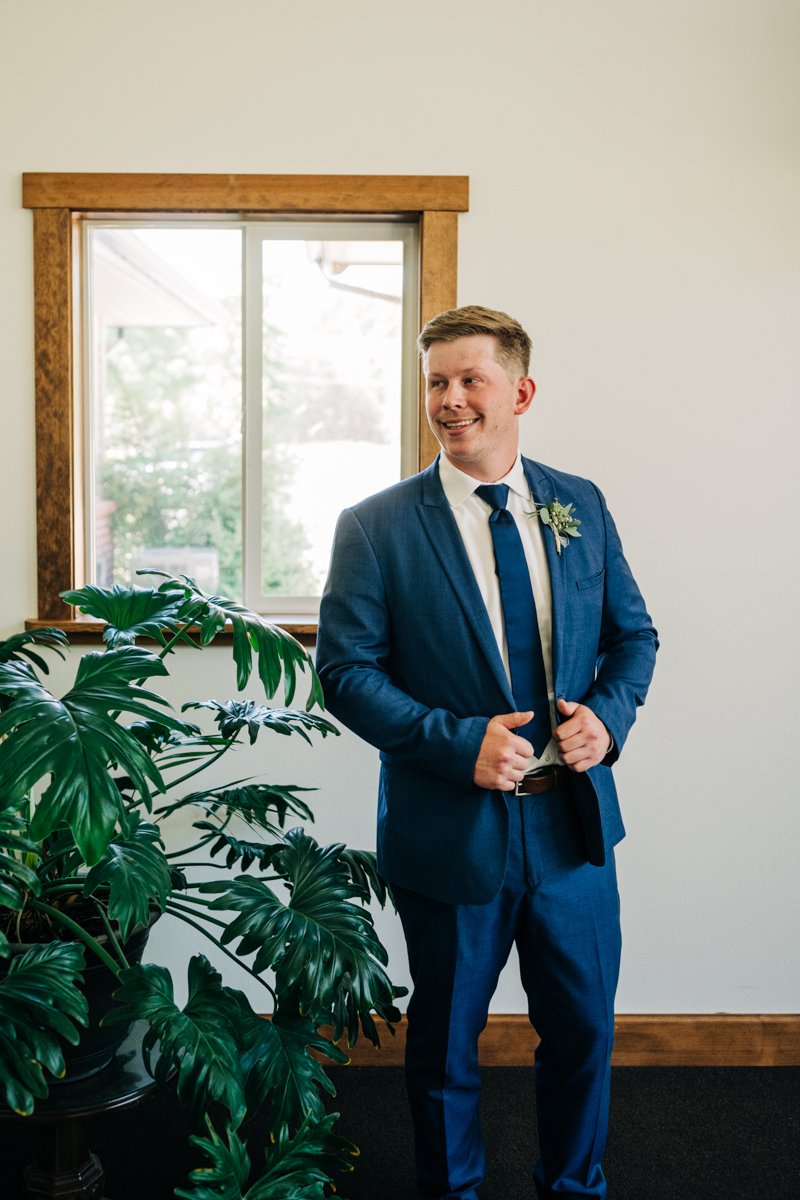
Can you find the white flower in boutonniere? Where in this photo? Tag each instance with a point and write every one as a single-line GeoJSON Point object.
{"type": "Point", "coordinates": [559, 520]}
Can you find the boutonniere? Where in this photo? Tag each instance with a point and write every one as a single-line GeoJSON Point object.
{"type": "Point", "coordinates": [559, 520]}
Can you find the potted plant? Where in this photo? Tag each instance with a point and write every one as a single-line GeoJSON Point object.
{"type": "Point", "coordinates": [90, 785]}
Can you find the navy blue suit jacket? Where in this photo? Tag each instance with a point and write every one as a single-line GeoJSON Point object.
{"type": "Point", "coordinates": [408, 660]}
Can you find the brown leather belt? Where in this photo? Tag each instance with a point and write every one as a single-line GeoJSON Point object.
{"type": "Point", "coordinates": [540, 781]}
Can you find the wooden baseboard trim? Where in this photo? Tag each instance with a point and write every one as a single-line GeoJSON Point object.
{"type": "Point", "coordinates": [642, 1040]}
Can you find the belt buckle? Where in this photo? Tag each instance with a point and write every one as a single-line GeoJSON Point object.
{"type": "Point", "coordinates": [550, 773]}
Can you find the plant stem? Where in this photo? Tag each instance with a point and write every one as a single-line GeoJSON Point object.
{"type": "Point", "coordinates": [73, 884]}
{"type": "Point", "coordinates": [207, 762]}
{"type": "Point", "coordinates": [79, 932]}
{"type": "Point", "coordinates": [191, 849]}
{"type": "Point", "coordinates": [198, 862]}
{"type": "Point", "coordinates": [184, 899]}
{"type": "Point", "coordinates": [181, 916]}
{"type": "Point", "coordinates": [167, 648]}
{"type": "Point", "coordinates": [112, 937]}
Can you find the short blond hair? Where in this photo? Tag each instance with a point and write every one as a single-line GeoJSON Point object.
{"type": "Point", "coordinates": [513, 344]}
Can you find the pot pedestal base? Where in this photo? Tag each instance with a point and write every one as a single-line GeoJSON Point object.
{"type": "Point", "coordinates": [64, 1168]}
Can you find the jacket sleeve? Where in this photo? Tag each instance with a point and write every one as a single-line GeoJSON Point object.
{"type": "Point", "coordinates": [628, 645]}
{"type": "Point", "coordinates": [353, 660]}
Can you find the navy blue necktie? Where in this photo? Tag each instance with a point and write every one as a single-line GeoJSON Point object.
{"type": "Point", "coordinates": [528, 679]}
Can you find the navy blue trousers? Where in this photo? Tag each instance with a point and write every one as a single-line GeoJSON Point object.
{"type": "Point", "coordinates": [563, 915]}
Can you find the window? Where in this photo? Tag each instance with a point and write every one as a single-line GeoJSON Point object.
{"type": "Point", "coordinates": [305, 329]}
{"type": "Point", "coordinates": [167, 306]}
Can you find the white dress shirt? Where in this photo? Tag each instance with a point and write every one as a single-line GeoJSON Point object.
{"type": "Point", "coordinates": [471, 515]}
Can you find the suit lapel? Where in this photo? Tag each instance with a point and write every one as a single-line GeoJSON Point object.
{"type": "Point", "coordinates": [543, 492]}
{"type": "Point", "coordinates": [441, 529]}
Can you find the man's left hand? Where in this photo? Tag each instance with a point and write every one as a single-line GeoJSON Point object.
{"type": "Point", "coordinates": [583, 740]}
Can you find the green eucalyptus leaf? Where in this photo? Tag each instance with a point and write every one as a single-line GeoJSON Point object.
{"type": "Point", "coordinates": [40, 1003]}
{"type": "Point", "coordinates": [137, 874]}
{"type": "Point", "coordinates": [199, 1042]}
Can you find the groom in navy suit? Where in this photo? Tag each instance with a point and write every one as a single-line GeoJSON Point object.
{"type": "Point", "coordinates": [495, 653]}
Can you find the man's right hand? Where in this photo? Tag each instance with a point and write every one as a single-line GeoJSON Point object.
{"type": "Point", "coordinates": [503, 757]}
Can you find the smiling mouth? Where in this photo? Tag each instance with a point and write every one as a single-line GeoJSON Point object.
{"type": "Point", "coordinates": [458, 424]}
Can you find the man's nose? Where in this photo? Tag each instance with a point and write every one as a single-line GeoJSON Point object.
{"type": "Point", "coordinates": [454, 396]}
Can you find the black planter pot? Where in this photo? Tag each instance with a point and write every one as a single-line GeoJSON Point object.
{"type": "Point", "coordinates": [98, 1043]}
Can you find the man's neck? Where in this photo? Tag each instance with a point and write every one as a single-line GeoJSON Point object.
{"type": "Point", "coordinates": [484, 472]}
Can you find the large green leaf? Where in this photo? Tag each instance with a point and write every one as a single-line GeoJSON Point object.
{"type": "Point", "coordinates": [131, 612]}
{"type": "Point", "coordinates": [255, 803]}
{"type": "Point", "coordinates": [323, 947]}
{"type": "Point", "coordinates": [234, 715]}
{"type": "Point", "coordinates": [158, 739]}
{"type": "Point", "coordinates": [15, 648]}
{"type": "Point", "coordinates": [259, 805]}
{"type": "Point", "coordinates": [178, 604]}
{"type": "Point", "coordinates": [298, 1168]}
{"type": "Point", "coordinates": [277, 1063]}
{"type": "Point", "coordinates": [227, 1176]}
{"type": "Point", "coordinates": [171, 749]}
{"type": "Point", "coordinates": [199, 1041]}
{"type": "Point", "coordinates": [295, 1168]}
{"type": "Point", "coordinates": [83, 742]}
{"type": "Point", "coordinates": [17, 878]}
{"type": "Point", "coordinates": [279, 654]}
{"type": "Point", "coordinates": [39, 1001]}
{"type": "Point", "coordinates": [237, 851]}
{"type": "Point", "coordinates": [137, 873]}
{"type": "Point", "coordinates": [362, 866]}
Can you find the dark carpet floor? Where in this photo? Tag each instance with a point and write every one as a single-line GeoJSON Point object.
{"type": "Point", "coordinates": [677, 1133]}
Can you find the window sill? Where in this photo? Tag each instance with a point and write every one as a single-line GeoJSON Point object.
{"type": "Point", "coordinates": [82, 631]}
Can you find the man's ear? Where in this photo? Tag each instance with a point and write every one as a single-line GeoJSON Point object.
{"type": "Point", "coordinates": [526, 390]}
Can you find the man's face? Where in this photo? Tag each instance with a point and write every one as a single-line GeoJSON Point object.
{"type": "Point", "coordinates": [474, 405]}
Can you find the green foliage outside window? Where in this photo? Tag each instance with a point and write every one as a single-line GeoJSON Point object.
{"type": "Point", "coordinates": [171, 463]}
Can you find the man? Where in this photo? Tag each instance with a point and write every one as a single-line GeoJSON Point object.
{"type": "Point", "coordinates": [497, 660]}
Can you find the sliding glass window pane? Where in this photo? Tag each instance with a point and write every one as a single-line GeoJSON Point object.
{"type": "Point", "coordinates": [332, 367]}
{"type": "Point", "coordinates": [166, 399]}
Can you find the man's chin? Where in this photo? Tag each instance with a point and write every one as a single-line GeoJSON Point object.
{"type": "Point", "coordinates": [458, 455]}
{"type": "Point", "coordinates": [460, 449]}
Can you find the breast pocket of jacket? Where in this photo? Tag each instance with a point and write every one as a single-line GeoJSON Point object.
{"type": "Point", "coordinates": [586, 612]}
{"type": "Point", "coordinates": [590, 584]}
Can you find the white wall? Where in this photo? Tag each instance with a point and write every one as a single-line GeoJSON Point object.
{"type": "Point", "coordinates": [634, 171]}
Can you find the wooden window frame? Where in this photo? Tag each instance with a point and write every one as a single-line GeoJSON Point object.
{"type": "Point", "coordinates": [59, 200]}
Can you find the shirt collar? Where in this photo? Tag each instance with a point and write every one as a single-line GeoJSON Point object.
{"type": "Point", "coordinates": [458, 486]}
